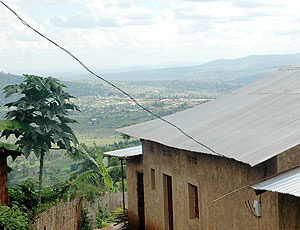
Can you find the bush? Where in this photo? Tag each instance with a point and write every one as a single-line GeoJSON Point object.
{"type": "Point", "coordinates": [13, 218]}
{"type": "Point", "coordinates": [102, 216]}
{"type": "Point", "coordinates": [84, 222]}
{"type": "Point", "coordinates": [25, 194]}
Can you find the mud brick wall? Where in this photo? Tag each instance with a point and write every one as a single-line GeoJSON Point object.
{"type": "Point", "coordinates": [64, 216]}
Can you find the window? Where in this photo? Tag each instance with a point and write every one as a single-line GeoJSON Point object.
{"type": "Point", "coordinates": [153, 179]}
{"type": "Point", "coordinates": [193, 201]}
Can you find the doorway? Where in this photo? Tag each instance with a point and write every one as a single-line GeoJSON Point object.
{"type": "Point", "coordinates": [168, 202]}
{"type": "Point", "coordinates": [141, 202]}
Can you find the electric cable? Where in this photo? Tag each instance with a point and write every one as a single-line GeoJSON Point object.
{"type": "Point", "coordinates": [108, 82]}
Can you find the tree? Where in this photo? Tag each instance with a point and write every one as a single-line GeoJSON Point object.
{"type": "Point", "coordinates": [43, 107]}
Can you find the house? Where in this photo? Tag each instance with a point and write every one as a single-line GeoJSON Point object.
{"type": "Point", "coordinates": [5, 151]}
{"type": "Point", "coordinates": [240, 140]}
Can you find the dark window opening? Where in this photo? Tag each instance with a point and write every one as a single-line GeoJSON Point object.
{"type": "Point", "coordinates": [193, 202]}
{"type": "Point", "coordinates": [153, 179]}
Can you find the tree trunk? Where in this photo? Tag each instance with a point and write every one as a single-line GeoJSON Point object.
{"type": "Point", "coordinates": [41, 176]}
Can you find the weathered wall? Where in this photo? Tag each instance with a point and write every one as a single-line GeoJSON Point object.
{"type": "Point", "coordinates": [214, 177]}
{"type": "Point", "coordinates": [289, 212]}
{"type": "Point", "coordinates": [64, 216]}
{"type": "Point", "coordinates": [288, 159]}
{"type": "Point", "coordinates": [3, 181]}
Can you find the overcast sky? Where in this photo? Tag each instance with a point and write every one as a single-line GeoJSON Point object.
{"type": "Point", "coordinates": [132, 33]}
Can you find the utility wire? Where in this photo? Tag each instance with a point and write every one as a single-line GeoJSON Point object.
{"type": "Point", "coordinates": [108, 82]}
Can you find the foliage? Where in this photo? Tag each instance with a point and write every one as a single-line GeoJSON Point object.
{"type": "Point", "coordinates": [42, 107]}
{"type": "Point", "coordinates": [57, 167]}
{"type": "Point", "coordinates": [25, 194]}
{"type": "Point", "coordinates": [102, 216]}
{"type": "Point", "coordinates": [118, 217]}
{"type": "Point", "coordinates": [89, 191]}
{"type": "Point", "coordinates": [13, 218]}
{"type": "Point", "coordinates": [92, 168]}
{"type": "Point", "coordinates": [84, 222]}
{"type": "Point", "coordinates": [12, 125]}
{"type": "Point", "coordinates": [118, 185]}
{"type": "Point", "coordinates": [115, 172]}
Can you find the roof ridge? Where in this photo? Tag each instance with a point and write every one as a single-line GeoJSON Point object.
{"type": "Point", "coordinates": [289, 68]}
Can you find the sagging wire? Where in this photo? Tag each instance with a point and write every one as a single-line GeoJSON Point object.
{"type": "Point", "coordinates": [108, 82]}
{"type": "Point", "coordinates": [250, 210]}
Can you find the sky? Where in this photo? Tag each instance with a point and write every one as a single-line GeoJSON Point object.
{"type": "Point", "coordinates": [123, 34]}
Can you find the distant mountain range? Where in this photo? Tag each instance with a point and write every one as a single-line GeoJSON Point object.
{"type": "Point", "coordinates": [240, 71]}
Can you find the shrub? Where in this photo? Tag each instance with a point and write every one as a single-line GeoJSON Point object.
{"type": "Point", "coordinates": [102, 216]}
{"type": "Point", "coordinates": [25, 194]}
{"type": "Point", "coordinates": [84, 222]}
{"type": "Point", "coordinates": [13, 218]}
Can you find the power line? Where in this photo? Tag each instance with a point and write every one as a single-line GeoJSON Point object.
{"type": "Point", "coordinates": [108, 82]}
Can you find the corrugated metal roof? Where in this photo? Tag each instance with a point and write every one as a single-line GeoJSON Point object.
{"type": "Point", "coordinates": [250, 125]}
{"type": "Point", "coordinates": [287, 182]}
{"type": "Point", "coordinates": [128, 152]}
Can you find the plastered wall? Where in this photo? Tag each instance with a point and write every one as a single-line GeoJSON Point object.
{"type": "Point", "coordinates": [288, 159]}
{"type": "Point", "coordinates": [214, 177]}
{"type": "Point", "coordinates": [289, 212]}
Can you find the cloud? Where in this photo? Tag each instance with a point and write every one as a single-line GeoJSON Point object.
{"type": "Point", "coordinates": [205, 0]}
{"type": "Point", "coordinates": [250, 4]}
{"type": "Point", "coordinates": [135, 32]}
{"type": "Point", "coordinates": [41, 2]}
{"type": "Point", "coordinates": [120, 4]}
{"type": "Point", "coordinates": [107, 14]}
{"type": "Point", "coordinates": [82, 21]}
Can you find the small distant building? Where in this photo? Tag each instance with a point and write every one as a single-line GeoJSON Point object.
{"type": "Point", "coordinates": [5, 151]}
{"type": "Point", "coordinates": [235, 175]}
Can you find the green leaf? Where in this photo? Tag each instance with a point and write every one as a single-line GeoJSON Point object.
{"type": "Point", "coordinates": [105, 162]}
{"type": "Point", "coordinates": [13, 125]}
{"type": "Point", "coordinates": [27, 150]}
{"type": "Point", "coordinates": [37, 149]}
{"type": "Point", "coordinates": [10, 147]}
{"type": "Point", "coordinates": [109, 182]}
{"type": "Point", "coordinates": [9, 90]}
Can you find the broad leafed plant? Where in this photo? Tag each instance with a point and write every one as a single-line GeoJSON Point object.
{"type": "Point", "coordinates": [42, 108]}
